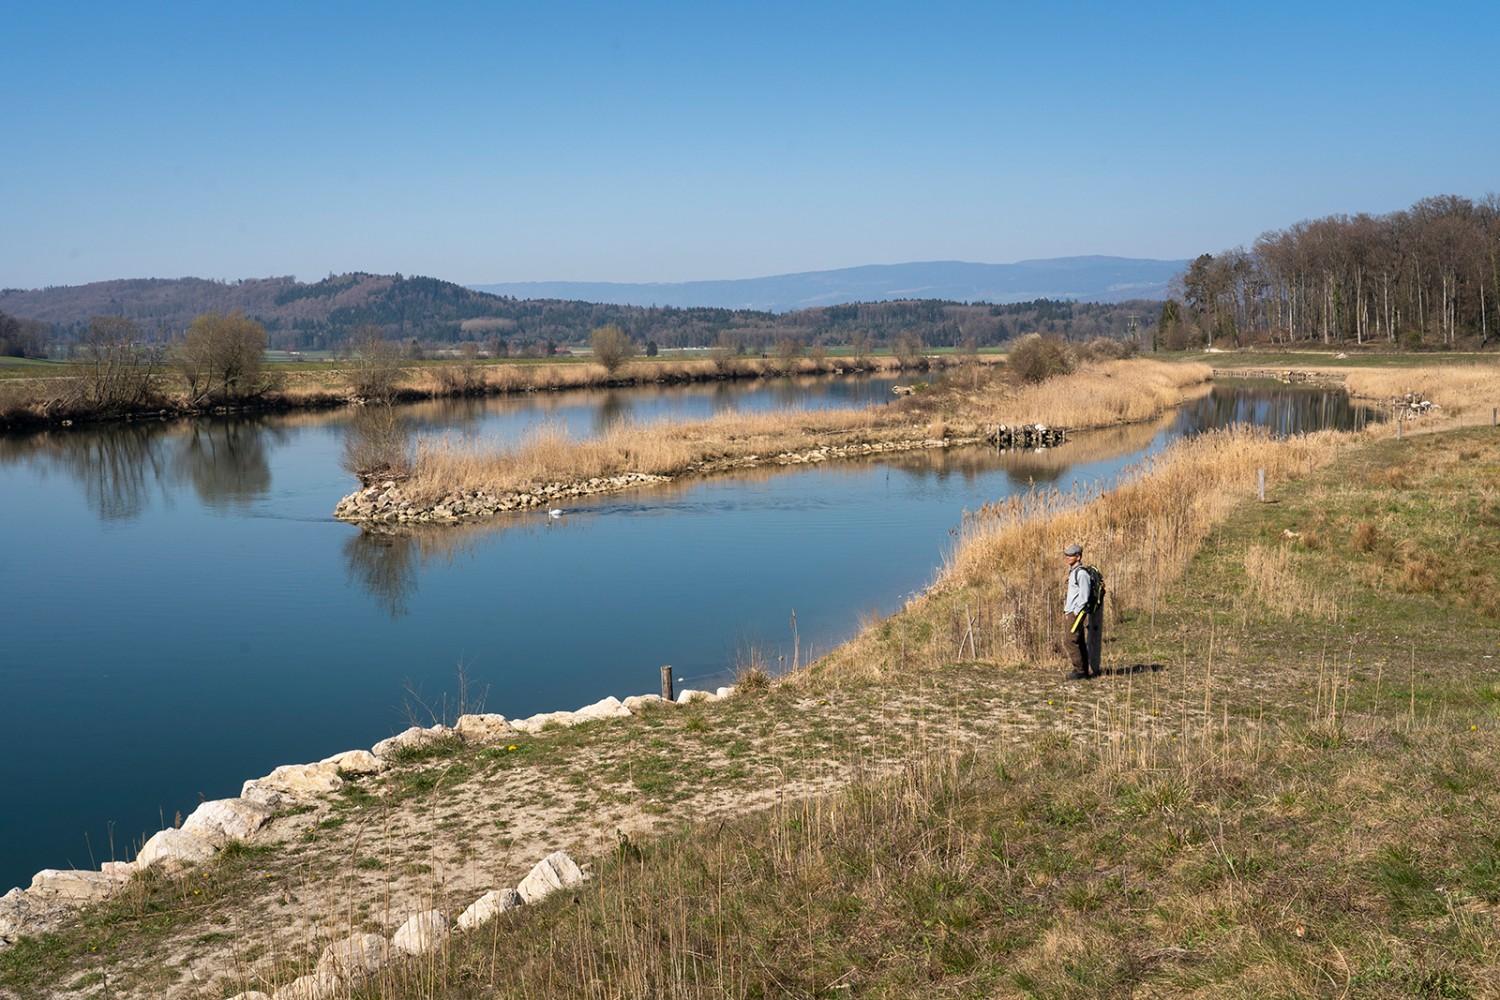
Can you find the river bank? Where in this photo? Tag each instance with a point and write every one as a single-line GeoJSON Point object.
{"type": "Point", "coordinates": [938, 692]}
{"type": "Point", "coordinates": [38, 403]}
{"type": "Point", "coordinates": [448, 480]}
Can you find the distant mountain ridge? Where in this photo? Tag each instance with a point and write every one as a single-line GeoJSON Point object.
{"type": "Point", "coordinates": [1080, 279]}
{"type": "Point", "coordinates": [942, 303]}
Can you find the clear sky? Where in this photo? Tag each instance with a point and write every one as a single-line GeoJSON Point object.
{"type": "Point", "coordinates": [486, 142]}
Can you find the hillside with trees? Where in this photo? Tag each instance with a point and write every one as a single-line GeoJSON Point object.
{"type": "Point", "coordinates": [1427, 276]}
{"type": "Point", "coordinates": [422, 313]}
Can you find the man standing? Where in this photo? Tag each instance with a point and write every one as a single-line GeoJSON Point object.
{"type": "Point", "coordinates": [1077, 621]}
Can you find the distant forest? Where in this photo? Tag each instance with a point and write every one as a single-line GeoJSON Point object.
{"type": "Point", "coordinates": [428, 312]}
{"type": "Point", "coordinates": [1426, 276]}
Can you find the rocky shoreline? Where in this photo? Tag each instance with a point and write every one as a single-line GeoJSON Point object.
{"type": "Point", "coordinates": [283, 805]}
{"type": "Point", "coordinates": [388, 502]}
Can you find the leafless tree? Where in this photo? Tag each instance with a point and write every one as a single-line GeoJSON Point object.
{"type": "Point", "coordinates": [114, 371]}
{"type": "Point", "coordinates": [612, 347]}
{"type": "Point", "coordinates": [222, 359]}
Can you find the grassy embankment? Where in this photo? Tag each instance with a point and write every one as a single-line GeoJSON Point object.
{"type": "Point", "coordinates": [1294, 796]}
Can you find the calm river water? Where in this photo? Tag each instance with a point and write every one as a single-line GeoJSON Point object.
{"type": "Point", "coordinates": [181, 612]}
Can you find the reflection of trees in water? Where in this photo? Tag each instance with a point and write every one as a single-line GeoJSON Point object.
{"type": "Point", "coordinates": [118, 467]}
{"type": "Point", "coordinates": [384, 566]}
{"type": "Point", "coordinates": [1282, 409]}
{"type": "Point", "coordinates": [226, 461]}
{"type": "Point", "coordinates": [612, 408]}
{"type": "Point", "coordinates": [724, 396]}
{"type": "Point", "coordinates": [787, 391]}
{"type": "Point", "coordinates": [121, 466]}
{"type": "Point", "coordinates": [385, 560]}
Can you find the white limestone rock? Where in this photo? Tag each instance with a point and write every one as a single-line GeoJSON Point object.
{"type": "Point", "coordinates": [223, 820]}
{"type": "Point", "coordinates": [292, 784]}
{"type": "Point", "coordinates": [20, 913]}
{"type": "Point", "coordinates": [421, 933]}
{"type": "Point", "coordinates": [411, 738]}
{"type": "Point", "coordinates": [122, 870]}
{"type": "Point", "coordinates": [536, 723]}
{"type": "Point", "coordinates": [605, 708]}
{"type": "Point", "coordinates": [173, 848]}
{"type": "Point", "coordinates": [355, 958]}
{"type": "Point", "coordinates": [74, 886]}
{"type": "Point", "coordinates": [320, 985]}
{"type": "Point", "coordinates": [252, 995]}
{"type": "Point", "coordinates": [488, 728]}
{"type": "Point", "coordinates": [636, 703]}
{"type": "Point", "coordinates": [489, 906]}
{"type": "Point", "coordinates": [555, 871]}
{"type": "Point", "coordinates": [724, 692]}
{"type": "Point", "coordinates": [356, 762]}
{"type": "Point", "coordinates": [689, 695]}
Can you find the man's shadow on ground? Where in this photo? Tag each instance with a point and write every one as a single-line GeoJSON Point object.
{"type": "Point", "coordinates": [1134, 668]}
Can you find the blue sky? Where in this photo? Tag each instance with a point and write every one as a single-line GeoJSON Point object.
{"type": "Point", "coordinates": [484, 142]}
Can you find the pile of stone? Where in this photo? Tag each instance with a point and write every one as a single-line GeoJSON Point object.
{"type": "Point", "coordinates": [1027, 436]}
{"type": "Point", "coordinates": [55, 896]}
{"type": "Point", "coordinates": [387, 502]}
{"type": "Point", "coordinates": [347, 963]}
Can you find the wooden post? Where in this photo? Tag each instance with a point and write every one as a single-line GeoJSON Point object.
{"type": "Point", "coordinates": [1398, 428]}
{"type": "Point", "coordinates": [666, 683]}
{"type": "Point", "coordinates": [1260, 478]}
{"type": "Point", "coordinates": [1495, 416]}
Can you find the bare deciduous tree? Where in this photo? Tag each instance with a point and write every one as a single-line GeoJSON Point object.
{"type": "Point", "coordinates": [374, 365]}
{"type": "Point", "coordinates": [114, 372]}
{"type": "Point", "coordinates": [612, 347]}
{"type": "Point", "coordinates": [222, 358]}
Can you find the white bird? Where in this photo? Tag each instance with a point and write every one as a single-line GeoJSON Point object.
{"type": "Point", "coordinates": [555, 512]}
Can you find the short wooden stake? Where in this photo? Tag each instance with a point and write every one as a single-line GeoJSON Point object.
{"type": "Point", "coordinates": [666, 683]}
{"type": "Point", "coordinates": [1260, 478]}
{"type": "Point", "coordinates": [1398, 428]}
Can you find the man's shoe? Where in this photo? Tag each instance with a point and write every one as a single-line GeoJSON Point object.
{"type": "Point", "coordinates": [1077, 675]}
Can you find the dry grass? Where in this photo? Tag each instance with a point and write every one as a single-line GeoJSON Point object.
{"type": "Point", "coordinates": [1273, 584]}
{"type": "Point", "coordinates": [1290, 806]}
{"type": "Point", "coordinates": [1106, 395]}
{"type": "Point", "coordinates": [1466, 393]}
{"type": "Point", "coordinates": [1005, 567]}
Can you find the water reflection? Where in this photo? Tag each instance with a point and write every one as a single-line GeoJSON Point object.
{"type": "Point", "coordinates": [388, 561]}
{"type": "Point", "coordinates": [384, 565]}
{"type": "Point", "coordinates": [1282, 409]}
{"type": "Point", "coordinates": [615, 407]}
{"type": "Point", "coordinates": [226, 462]}
{"type": "Point", "coordinates": [122, 468]}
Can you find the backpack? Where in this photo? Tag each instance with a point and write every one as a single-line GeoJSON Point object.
{"type": "Point", "coordinates": [1096, 590]}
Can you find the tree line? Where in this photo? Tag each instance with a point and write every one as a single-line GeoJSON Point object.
{"type": "Point", "coordinates": [329, 314]}
{"type": "Point", "coordinates": [1424, 276]}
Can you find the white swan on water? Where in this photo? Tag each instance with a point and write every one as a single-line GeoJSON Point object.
{"type": "Point", "coordinates": [555, 512]}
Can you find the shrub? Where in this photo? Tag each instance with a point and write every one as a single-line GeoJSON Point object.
{"type": "Point", "coordinates": [1035, 358]}
{"type": "Point", "coordinates": [1109, 349]}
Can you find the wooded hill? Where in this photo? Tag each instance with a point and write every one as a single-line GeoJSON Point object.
{"type": "Point", "coordinates": [324, 314]}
